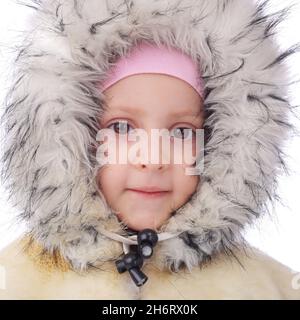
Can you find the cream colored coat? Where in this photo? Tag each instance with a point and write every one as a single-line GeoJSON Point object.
{"type": "Point", "coordinates": [25, 276]}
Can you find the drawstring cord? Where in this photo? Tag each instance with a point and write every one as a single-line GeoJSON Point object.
{"type": "Point", "coordinates": [132, 240]}
{"type": "Point", "coordinates": [133, 261]}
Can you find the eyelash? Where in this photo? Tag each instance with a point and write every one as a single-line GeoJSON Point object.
{"type": "Point", "coordinates": [126, 123]}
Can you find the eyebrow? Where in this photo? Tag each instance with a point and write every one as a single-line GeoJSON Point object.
{"type": "Point", "coordinates": [174, 114]}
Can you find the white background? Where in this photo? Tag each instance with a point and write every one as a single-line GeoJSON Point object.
{"type": "Point", "coordinates": [278, 236]}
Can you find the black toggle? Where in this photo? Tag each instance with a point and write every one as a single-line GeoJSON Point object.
{"type": "Point", "coordinates": [133, 260]}
{"type": "Point", "coordinates": [146, 239]}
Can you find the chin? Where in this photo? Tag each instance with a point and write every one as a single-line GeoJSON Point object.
{"type": "Point", "coordinates": [140, 222]}
{"type": "Point", "coordinates": [138, 226]}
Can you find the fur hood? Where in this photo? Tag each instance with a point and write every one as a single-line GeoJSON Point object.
{"type": "Point", "coordinates": [52, 107]}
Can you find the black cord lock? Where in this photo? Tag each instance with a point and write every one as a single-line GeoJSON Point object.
{"type": "Point", "coordinates": [133, 261]}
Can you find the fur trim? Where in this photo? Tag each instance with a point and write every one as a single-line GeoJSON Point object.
{"type": "Point", "coordinates": [53, 104]}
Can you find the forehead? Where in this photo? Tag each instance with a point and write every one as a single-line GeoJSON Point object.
{"type": "Point", "coordinates": [143, 93]}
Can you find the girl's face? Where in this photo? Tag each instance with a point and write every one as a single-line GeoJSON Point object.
{"type": "Point", "coordinates": [149, 101]}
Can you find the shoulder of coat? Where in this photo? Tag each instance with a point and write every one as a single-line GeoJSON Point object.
{"type": "Point", "coordinates": [251, 274]}
{"type": "Point", "coordinates": [271, 273]}
{"type": "Point", "coordinates": [26, 266]}
{"type": "Point", "coordinates": [31, 272]}
{"type": "Point", "coordinates": [26, 250]}
{"type": "Point", "coordinates": [246, 273]}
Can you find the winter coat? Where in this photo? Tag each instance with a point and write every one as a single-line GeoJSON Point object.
{"type": "Point", "coordinates": [32, 273]}
{"type": "Point", "coordinates": [50, 122]}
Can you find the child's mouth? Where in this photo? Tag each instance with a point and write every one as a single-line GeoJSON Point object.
{"type": "Point", "coordinates": [149, 194]}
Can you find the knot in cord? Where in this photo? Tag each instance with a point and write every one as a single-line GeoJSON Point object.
{"type": "Point", "coordinates": [132, 240]}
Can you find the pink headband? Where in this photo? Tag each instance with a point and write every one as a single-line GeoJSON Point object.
{"type": "Point", "coordinates": [146, 58]}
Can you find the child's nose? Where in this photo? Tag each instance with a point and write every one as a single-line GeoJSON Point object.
{"type": "Point", "coordinates": [156, 153]}
{"type": "Point", "coordinates": [151, 166]}
{"type": "Point", "coordinates": [161, 162]}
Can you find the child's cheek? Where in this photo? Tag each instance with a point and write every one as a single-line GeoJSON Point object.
{"type": "Point", "coordinates": [111, 181]}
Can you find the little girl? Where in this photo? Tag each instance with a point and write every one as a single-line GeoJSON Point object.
{"type": "Point", "coordinates": [144, 230]}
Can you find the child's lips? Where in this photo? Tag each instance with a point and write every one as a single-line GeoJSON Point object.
{"type": "Point", "coordinates": [149, 194]}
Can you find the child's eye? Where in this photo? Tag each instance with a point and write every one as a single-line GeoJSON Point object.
{"type": "Point", "coordinates": [183, 133]}
{"type": "Point", "coordinates": [120, 127]}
